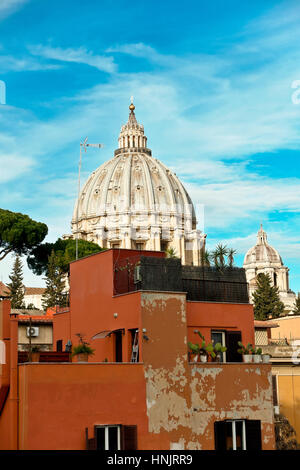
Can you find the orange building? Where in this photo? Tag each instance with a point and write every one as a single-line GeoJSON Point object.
{"type": "Point", "coordinates": [140, 390]}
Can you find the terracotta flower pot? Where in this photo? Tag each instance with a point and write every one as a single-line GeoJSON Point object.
{"type": "Point", "coordinates": [35, 357]}
{"type": "Point", "coordinates": [83, 357]}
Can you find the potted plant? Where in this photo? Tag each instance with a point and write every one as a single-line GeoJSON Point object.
{"type": "Point", "coordinates": [246, 351]}
{"type": "Point", "coordinates": [256, 352]}
{"type": "Point", "coordinates": [35, 353]}
{"type": "Point", "coordinates": [215, 351]}
{"type": "Point", "coordinates": [265, 358]}
{"type": "Point", "coordinates": [218, 351]}
{"type": "Point", "coordinates": [199, 350]}
{"type": "Point", "coordinates": [194, 350]}
{"type": "Point", "coordinates": [82, 351]}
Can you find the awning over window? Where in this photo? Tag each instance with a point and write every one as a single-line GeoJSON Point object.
{"type": "Point", "coordinates": [106, 333]}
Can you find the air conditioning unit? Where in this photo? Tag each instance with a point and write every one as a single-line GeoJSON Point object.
{"type": "Point", "coordinates": [32, 331]}
{"type": "Point", "coordinates": [137, 274]}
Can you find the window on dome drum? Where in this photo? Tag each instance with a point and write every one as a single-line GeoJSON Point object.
{"type": "Point", "coordinates": [229, 339]}
{"type": "Point", "coordinates": [115, 245]}
{"type": "Point", "coordinates": [163, 245]}
{"type": "Point", "coordinates": [112, 437]}
{"type": "Point", "coordinates": [238, 434]}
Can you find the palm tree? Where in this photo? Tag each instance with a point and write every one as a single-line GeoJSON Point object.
{"type": "Point", "coordinates": [219, 254]}
{"type": "Point", "coordinates": [230, 254]}
{"type": "Point", "coordinates": [205, 258]}
{"type": "Point", "coordinates": [171, 253]}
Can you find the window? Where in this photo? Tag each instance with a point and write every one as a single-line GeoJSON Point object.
{"type": "Point", "coordinates": [134, 353]}
{"type": "Point", "coordinates": [219, 337]}
{"type": "Point", "coordinates": [118, 345]}
{"type": "Point", "coordinates": [239, 434]}
{"type": "Point", "coordinates": [108, 438]}
{"type": "Point", "coordinates": [112, 437]}
{"type": "Point", "coordinates": [229, 339]}
{"type": "Point", "coordinates": [275, 390]}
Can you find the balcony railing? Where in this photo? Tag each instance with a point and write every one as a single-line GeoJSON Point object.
{"type": "Point", "coordinates": [200, 284]}
{"type": "Point", "coordinates": [216, 291]}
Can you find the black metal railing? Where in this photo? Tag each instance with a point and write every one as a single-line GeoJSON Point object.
{"type": "Point", "coordinates": [216, 291]}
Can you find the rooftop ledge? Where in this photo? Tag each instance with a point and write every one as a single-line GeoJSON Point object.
{"type": "Point", "coordinates": [81, 363]}
{"type": "Point", "coordinates": [196, 364]}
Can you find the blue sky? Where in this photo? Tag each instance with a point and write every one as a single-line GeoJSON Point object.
{"type": "Point", "coordinates": [212, 83]}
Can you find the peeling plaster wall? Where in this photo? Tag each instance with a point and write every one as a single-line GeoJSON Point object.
{"type": "Point", "coordinates": [184, 400]}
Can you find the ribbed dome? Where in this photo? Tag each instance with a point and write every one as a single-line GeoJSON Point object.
{"type": "Point", "coordinates": [262, 252]}
{"type": "Point", "coordinates": [134, 180]}
{"type": "Point", "coordinates": [134, 192]}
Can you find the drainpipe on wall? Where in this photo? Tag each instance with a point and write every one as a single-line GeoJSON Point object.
{"type": "Point", "coordinates": [13, 395]}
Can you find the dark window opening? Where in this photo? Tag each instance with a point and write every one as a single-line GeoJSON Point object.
{"type": "Point", "coordinates": [134, 353]}
{"type": "Point", "coordinates": [59, 345]}
{"type": "Point", "coordinates": [238, 435]}
{"type": "Point", "coordinates": [275, 394]}
{"type": "Point", "coordinates": [163, 245]}
{"type": "Point", "coordinates": [108, 438]}
{"type": "Point", "coordinates": [229, 339]}
{"type": "Point", "coordinates": [112, 437]}
{"type": "Point", "coordinates": [118, 346]}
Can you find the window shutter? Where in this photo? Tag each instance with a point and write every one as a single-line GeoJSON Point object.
{"type": "Point", "coordinates": [232, 339]}
{"type": "Point", "coordinates": [220, 435]}
{"type": "Point", "coordinates": [129, 437]}
{"type": "Point", "coordinates": [274, 384]}
{"type": "Point", "coordinates": [253, 435]}
{"type": "Point", "coordinates": [90, 443]}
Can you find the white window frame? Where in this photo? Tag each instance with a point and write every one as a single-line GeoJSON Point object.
{"type": "Point", "coordinates": [223, 341]}
{"type": "Point", "coordinates": [244, 447]}
{"type": "Point", "coordinates": [106, 434]}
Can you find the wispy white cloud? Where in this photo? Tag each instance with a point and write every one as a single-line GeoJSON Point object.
{"type": "Point", "coordinates": [8, 7]}
{"type": "Point", "coordinates": [26, 64]}
{"type": "Point", "coordinates": [80, 55]}
{"type": "Point", "coordinates": [13, 166]}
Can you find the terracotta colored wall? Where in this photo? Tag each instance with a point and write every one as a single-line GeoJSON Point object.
{"type": "Point", "coordinates": [5, 424]}
{"type": "Point", "coordinates": [184, 401]}
{"type": "Point", "coordinates": [206, 316]}
{"type": "Point", "coordinates": [93, 306]}
{"type": "Point", "coordinates": [57, 402]}
{"type": "Point", "coordinates": [232, 392]}
{"type": "Point", "coordinates": [61, 328]}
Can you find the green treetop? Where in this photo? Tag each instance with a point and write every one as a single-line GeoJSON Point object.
{"type": "Point", "coordinates": [55, 285]}
{"type": "Point", "coordinates": [266, 299]}
{"type": "Point", "coordinates": [19, 234]}
{"type": "Point", "coordinates": [16, 287]}
{"type": "Point", "coordinates": [296, 310]}
{"type": "Point", "coordinates": [65, 252]}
